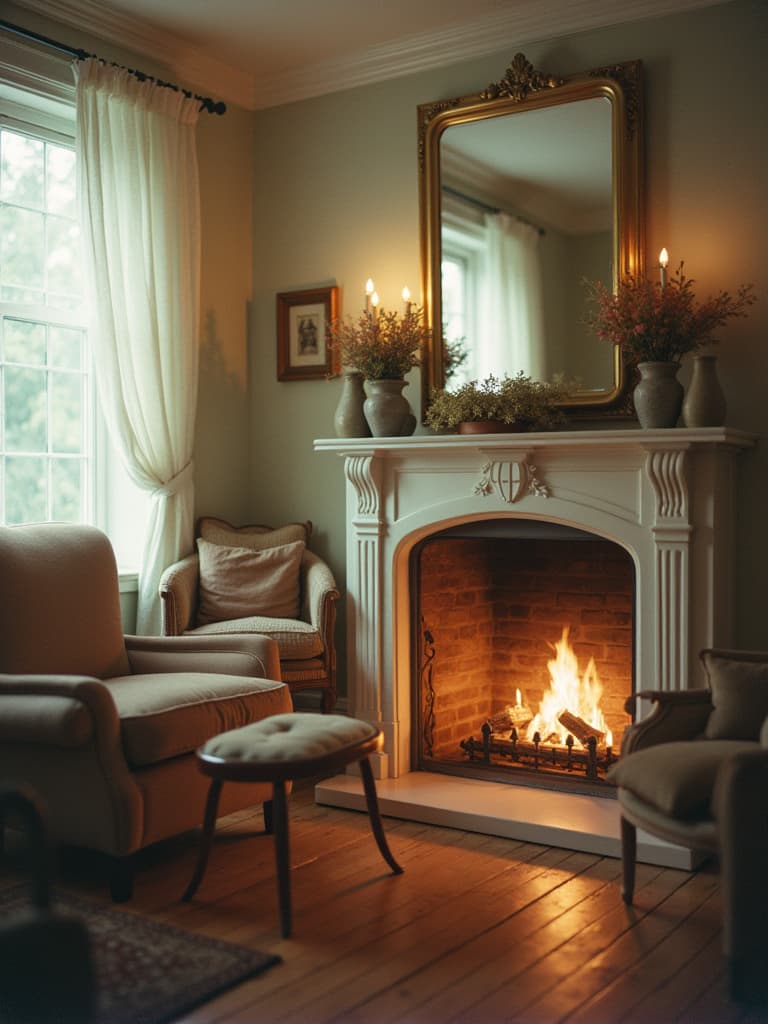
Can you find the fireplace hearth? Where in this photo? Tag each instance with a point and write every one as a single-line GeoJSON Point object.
{"type": "Point", "coordinates": [663, 498]}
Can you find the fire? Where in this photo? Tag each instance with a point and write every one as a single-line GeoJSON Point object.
{"type": "Point", "coordinates": [569, 692]}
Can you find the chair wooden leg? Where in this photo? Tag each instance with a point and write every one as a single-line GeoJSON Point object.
{"type": "Point", "coordinates": [268, 817]}
{"type": "Point", "coordinates": [628, 858]}
{"type": "Point", "coordinates": [282, 855]}
{"type": "Point", "coordinates": [373, 813]}
{"type": "Point", "coordinates": [206, 840]}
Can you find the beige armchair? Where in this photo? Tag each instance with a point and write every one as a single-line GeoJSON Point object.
{"type": "Point", "coordinates": [104, 727]}
{"type": "Point", "coordinates": [258, 580]}
{"type": "Point", "coordinates": [695, 772]}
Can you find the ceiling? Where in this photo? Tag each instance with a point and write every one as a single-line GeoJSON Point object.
{"type": "Point", "coordinates": [260, 53]}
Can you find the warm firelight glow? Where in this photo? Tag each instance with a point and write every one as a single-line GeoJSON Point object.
{"type": "Point", "coordinates": [579, 695]}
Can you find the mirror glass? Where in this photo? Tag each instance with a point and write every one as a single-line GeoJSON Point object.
{"type": "Point", "coordinates": [522, 198]}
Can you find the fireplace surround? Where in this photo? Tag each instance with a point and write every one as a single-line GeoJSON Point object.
{"type": "Point", "coordinates": [665, 496]}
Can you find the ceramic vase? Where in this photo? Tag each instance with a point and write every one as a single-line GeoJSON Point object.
{"type": "Point", "coordinates": [658, 396]}
{"type": "Point", "coordinates": [387, 410]}
{"type": "Point", "coordinates": [349, 419]}
{"type": "Point", "coordinates": [704, 402]}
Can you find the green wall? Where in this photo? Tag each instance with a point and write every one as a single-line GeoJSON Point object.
{"type": "Point", "coordinates": [336, 201]}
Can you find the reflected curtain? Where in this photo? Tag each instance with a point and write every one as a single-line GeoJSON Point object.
{"type": "Point", "coordinates": [511, 305]}
{"type": "Point", "coordinates": [139, 199]}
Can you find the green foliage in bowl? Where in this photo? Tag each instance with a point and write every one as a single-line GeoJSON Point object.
{"type": "Point", "coordinates": [528, 404]}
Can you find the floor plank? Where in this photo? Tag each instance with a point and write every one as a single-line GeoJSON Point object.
{"type": "Point", "coordinates": [477, 930]}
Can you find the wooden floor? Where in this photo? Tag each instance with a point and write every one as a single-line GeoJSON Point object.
{"type": "Point", "coordinates": [477, 929]}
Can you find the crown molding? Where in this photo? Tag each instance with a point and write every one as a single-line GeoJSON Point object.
{"type": "Point", "coordinates": [515, 26]}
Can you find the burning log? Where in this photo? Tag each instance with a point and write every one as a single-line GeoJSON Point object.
{"type": "Point", "coordinates": [511, 717]}
{"type": "Point", "coordinates": [582, 730]}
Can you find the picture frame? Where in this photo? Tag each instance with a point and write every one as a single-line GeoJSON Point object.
{"type": "Point", "coordinates": [303, 319]}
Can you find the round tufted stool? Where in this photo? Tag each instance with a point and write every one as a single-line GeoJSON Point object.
{"type": "Point", "coordinates": [276, 750]}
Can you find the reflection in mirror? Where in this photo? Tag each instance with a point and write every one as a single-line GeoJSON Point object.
{"type": "Point", "coordinates": [526, 190]}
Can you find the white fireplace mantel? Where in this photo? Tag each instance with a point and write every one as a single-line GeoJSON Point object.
{"type": "Point", "coordinates": [666, 496]}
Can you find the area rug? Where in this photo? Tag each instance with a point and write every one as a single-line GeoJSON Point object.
{"type": "Point", "coordinates": [147, 972]}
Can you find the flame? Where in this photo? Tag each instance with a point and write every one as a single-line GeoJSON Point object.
{"type": "Point", "coordinates": [568, 692]}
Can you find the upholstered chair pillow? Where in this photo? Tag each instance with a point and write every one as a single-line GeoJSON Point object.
{"type": "Point", "coordinates": [739, 685]}
{"type": "Point", "coordinates": [256, 538]}
{"type": "Point", "coordinates": [236, 583]}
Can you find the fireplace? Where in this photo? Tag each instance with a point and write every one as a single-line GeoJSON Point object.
{"type": "Point", "coordinates": [523, 636]}
{"type": "Point", "coordinates": [662, 497]}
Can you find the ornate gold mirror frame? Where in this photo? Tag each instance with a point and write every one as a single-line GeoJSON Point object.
{"type": "Point", "coordinates": [523, 88]}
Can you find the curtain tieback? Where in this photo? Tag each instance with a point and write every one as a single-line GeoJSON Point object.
{"type": "Point", "coordinates": [176, 483]}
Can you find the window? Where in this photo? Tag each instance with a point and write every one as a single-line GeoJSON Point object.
{"type": "Point", "coordinates": [44, 380]}
{"type": "Point", "coordinates": [56, 462]}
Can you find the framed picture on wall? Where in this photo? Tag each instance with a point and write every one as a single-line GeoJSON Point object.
{"type": "Point", "coordinates": [303, 319]}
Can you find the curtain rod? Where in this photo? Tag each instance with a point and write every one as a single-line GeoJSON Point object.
{"type": "Point", "coordinates": [487, 206]}
{"type": "Point", "coordinates": [206, 103]}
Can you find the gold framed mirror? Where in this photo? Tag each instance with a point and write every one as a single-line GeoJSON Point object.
{"type": "Point", "coordinates": [525, 190]}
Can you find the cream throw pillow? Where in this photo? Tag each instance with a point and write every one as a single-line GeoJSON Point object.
{"type": "Point", "coordinates": [739, 688]}
{"type": "Point", "coordinates": [256, 538]}
{"type": "Point", "coordinates": [236, 582]}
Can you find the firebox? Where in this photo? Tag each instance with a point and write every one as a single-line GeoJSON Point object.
{"type": "Point", "coordinates": [523, 633]}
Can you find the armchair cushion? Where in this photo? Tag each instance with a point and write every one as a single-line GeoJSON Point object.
{"type": "Point", "coordinates": [169, 714]}
{"type": "Point", "coordinates": [256, 538]}
{"type": "Point", "coordinates": [764, 734]}
{"type": "Point", "coordinates": [295, 638]}
{"type": "Point", "coordinates": [739, 685]}
{"type": "Point", "coordinates": [236, 582]}
{"type": "Point", "coordinates": [676, 778]}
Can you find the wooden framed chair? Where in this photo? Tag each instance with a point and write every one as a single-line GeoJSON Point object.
{"type": "Point", "coordinates": [259, 580]}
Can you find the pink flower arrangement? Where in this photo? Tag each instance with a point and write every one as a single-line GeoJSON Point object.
{"type": "Point", "coordinates": [655, 323]}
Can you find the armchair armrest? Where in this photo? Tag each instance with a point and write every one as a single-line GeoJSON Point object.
{"type": "Point", "coordinates": [319, 591]}
{"type": "Point", "coordinates": [676, 715]}
{"type": "Point", "coordinates": [244, 654]}
{"type": "Point", "coordinates": [178, 593]}
{"type": "Point", "coordinates": [64, 711]}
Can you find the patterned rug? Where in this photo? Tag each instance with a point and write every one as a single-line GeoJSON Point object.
{"type": "Point", "coordinates": [146, 972]}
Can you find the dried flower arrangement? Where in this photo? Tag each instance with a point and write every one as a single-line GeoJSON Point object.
{"type": "Point", "coordinates": [528, 404]}
{"type": "Point", "coordinates": [655, 322]}
{"type": "Point", "coordinates": [381, 345]}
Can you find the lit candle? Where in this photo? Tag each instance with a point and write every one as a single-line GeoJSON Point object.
{"type": "Point", "coordinates": [375, 304]}
{"type": "Point", "coordinates": [368, 293]}
{"type": "Point", "coordinates": [663, 261]}
{"type": "Point", "coordinates": [407, 300]}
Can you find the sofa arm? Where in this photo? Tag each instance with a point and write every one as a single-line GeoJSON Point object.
{"type": "Point", "coordinates": [244, 654]}
{"type": "Point", "coordinates": [178, 593]}
{"type": "Point", "coordinates": [64, 711]}
{"type": "Point", "coordinates": [676, 715]}
{"type": "Point", "coordinates": [740, 804]}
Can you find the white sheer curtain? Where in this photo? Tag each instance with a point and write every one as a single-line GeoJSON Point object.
{"type": "Point", "coordinates": [510, 299]}
{"type": "Point", "coordinates": [141, 229]}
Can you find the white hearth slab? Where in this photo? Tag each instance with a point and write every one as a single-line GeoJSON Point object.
{"type": "Point", "coordinates": [550, 817]}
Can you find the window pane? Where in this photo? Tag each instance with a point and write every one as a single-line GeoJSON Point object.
{"type": "Point", "coordinates": [24, 342]}
{"type": "Point", "coordinates": [66, 412]}
{"type": "Point", "coordinates": [65, 347]}
{"type": "Point", "coordinates": [66, 491]}
{"type": "Point", "coordinates": [60, 191]}
{"type": "Point", "coordinates": [62, 258]}
{"type": "Point", "coordinates": [25, 410]}
{"type": "Point", "coordinates": [25, 490]}
{"type": "Point", "coordinates": [21, 247]}
{"type": "Point", "coordinates": [21, 170]}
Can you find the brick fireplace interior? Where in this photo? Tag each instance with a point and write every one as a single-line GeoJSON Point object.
{"type": "Point", "coordinates": [497, 603]}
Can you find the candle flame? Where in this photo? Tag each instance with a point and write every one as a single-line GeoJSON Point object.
{"type": "Point", "coordinates": [406, 294]}
{"type": "Point", "coordinates": [375, 299]}
{"type": "Point", "coordinates": [369, 286]}
{"type": "Point", "coordinates": [663, 258]}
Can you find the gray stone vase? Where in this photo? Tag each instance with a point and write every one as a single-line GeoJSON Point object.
{"type": "Point", "coordinates": [704, 402]}
{"type": "Point", "coordinates": [658, 397]}
{"type": "Point", "coordinates": [349, 419]}
{"type": "Point", "coordinates": [387, 409]}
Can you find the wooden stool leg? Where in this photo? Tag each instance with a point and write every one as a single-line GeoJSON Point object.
{"type": "Point", "coordinates": [373, 813]}
{"type": "Point", "coordinates": [282, 855]}
{"type": "Point", "coordinates": [628, 858]}
{"type": "Point", "coordinates": [206, 840]}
